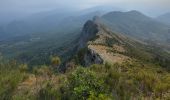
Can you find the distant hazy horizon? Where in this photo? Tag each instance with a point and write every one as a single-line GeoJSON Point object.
{"type": "Point", "coordinates": [12, 9]}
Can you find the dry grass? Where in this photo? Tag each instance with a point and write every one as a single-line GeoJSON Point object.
{"type": "Point", "coordinates": [109, 56]}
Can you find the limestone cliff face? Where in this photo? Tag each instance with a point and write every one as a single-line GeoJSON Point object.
{"type": "Point", "coordinates": [89, 31]}
{"type": "Point", "coordinates": [92, 57]}
{"type": "Point", "coordinates": [102, 45]}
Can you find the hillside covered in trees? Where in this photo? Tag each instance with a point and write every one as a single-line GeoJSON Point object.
{"type": "Point", "coordinates": [104, 65]}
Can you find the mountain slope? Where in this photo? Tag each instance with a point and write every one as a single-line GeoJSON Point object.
{"type": "Point", "coordinates": [136, 24]}
{"type": "Point", "coordinates": [46, 23]}
{"type": "Point", "coordinates": [37, 47]}
{"type": "Point", "coordinates": [131, 67]}
{"type": "Point", "coordinates": [165, 18]}
{"type": "Point", "coordinates": [101, 45]}
{"type": "Point", "coordinates": [104, 41]}
{"type": "Point", "coordinates": [117, 68]}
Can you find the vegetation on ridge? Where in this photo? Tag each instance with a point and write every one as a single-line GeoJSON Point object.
{"type": "Point", "coordinates": [126, 81]}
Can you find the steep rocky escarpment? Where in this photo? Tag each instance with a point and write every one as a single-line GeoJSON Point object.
{"type": "Point", "coordinates": [87, 55]}
{"type": "Point", "coordinates": [102, 44]}
{"type": "Point", "coordinates": [89, 31]}
{"type": "Point", "coordinates": [92, 57]}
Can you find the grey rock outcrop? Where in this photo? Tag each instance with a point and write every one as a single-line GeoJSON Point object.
{"type": "Point", "coordinates": [89, 32]}
{"type": "Point", "coordinates": [91, 57]}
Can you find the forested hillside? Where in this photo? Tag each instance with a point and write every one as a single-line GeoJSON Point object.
{"type": "Point", "coordinates": [103, 65]}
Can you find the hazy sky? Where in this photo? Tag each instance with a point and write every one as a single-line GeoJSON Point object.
{"type": "Point", "coordinates": [17, 7]}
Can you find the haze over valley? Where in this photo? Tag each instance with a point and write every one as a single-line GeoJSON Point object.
{"type": "Point", "coordinates": [84, 50]}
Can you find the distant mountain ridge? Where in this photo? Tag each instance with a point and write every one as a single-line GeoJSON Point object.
{"type": "Point", "coordinates": [97, 39]}
{"type": "Point", "coordinates": [99, 64]}
{"type": "Point", "coordinates": [49, 22]}
{"type": "Point", "coordinates": [138, 28]}
{"type": "Point", "coordinates": [98, 44]}
{"type": "Point", "coordinates": [136, 24]}
{"type": "Point", "coordinates": [165, 18]}
{"type": "Point", "coordinates": [132, 23]}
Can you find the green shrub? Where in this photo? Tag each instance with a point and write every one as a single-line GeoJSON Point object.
{"type": "Point", "coordinates": [48, 93]}
{"type": "Point", "coordinates": [23, 68]}
{"type": "Point", "coordinates": [82, 82]}
{"type": "Point", "coordinates": [43, 71]}
{"type": "Point", "coordinates": [55, 61]}
{"type": "Point", "coordinates": [10, 77]}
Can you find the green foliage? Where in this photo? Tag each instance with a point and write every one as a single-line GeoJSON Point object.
{"type": "Point", "coordinates": [10, 77]}
{"type": "Point", "coordinates": [108, 65]}
{"type": "Point", "coordinates": [83, 83]}
{"type": "Point", "coordinates": [110, 42]}
{"type": "Point", "coordinates": [23, 68]}
{"type": "Point", "coordinates": [48, 93]}
{"type": "Point", "coordinates": [99, 97]}
{"type": "Point", "coordinates": [134, 80]}
{"type": "Point", "coordinates": [55, 61]}
{"type": "Point", "coordinates": [130, 80]}
{"type": "Point", "coordinates": [43, 71]}
{"type": "Point", "coordinates": [80, 56]}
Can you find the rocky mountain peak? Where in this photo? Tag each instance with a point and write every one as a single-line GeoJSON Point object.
{"type": "Point", "coordinates": [98, 39]}
{"type": "Point", "coordinates": [89, 31]}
